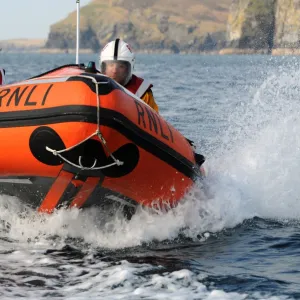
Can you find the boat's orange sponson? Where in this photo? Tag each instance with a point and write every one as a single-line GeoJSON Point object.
{"type": "Point", "coordinates": [60, 110]}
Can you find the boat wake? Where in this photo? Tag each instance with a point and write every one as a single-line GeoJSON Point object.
{"type": "Point", "coordinates": [262, 147]}
{"type": "Point", "coordinates": [258, 176]}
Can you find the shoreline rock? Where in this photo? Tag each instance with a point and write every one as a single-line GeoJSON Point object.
{"type": "Point", "coordinates": [249, 51]}
{"type": "Point", "coordinates": [286, 51]}
{"type": "Point", "coordinates": [225, 51]}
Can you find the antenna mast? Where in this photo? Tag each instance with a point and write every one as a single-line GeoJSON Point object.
{"type": "Point", "coordinates": [77, 31]}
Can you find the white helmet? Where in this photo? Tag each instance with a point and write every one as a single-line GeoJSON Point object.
{"type": "Point", "coordinates": [117, 50]}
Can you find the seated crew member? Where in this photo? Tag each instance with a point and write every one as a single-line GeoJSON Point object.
{"type": "Point", "coordinates": [2, 76]}
{"type": "Point", "coordinates": [117, 62]}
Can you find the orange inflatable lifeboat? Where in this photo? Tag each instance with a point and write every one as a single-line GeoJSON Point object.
{"type": "Point", "coordinates": [73, 137]}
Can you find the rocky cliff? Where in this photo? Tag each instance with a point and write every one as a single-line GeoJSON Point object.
{"type": "Point", "coordinates": [264, 26]}
{"type": "Point", "coordinates": [228, 26]}
{"type": "Point", "coordinates": [148, 25]}
{"type": "Point", "coordinates": [251, 24]}
{"type": "Point", "coordinates": [287, 34]}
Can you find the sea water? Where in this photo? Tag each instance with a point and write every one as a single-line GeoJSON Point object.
{"type": "Point", "coordinates": [236, 235]}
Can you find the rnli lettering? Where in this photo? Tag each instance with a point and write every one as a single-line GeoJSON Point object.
{"type": "Point", "coordinates": [27, 101]}
{"type": "Point", "coordinates": [3, 94]}
{"type": "Point", "coordinates": [171, 133]}
{"type": "Point", "coordinates": [161, 130]}
{"type": "Point", "coordinates": [152, 120]}
{"type": "Point", "coordinates": [149, 120]}
{"type": "Point", "coordinates": [141, 113]}
{"type": "Point", "coordinates": [46, 94]}
{"type": "Point", "coordinates": [24, 96]}
{"type": "Point", "coordinates": [16, 95]}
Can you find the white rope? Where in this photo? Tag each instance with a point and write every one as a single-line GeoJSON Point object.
{"type": "Point", "coordinates": [96, 133]}
{"type": "Point", "coordinates": [118, 163]}
{"type": "Point", "coordinates": [81, 165]}
{"type": "Point", "coordinates": [70, 148]}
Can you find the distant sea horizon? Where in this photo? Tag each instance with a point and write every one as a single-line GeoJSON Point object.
{"type": "Point", "coordinates": [37, 45]}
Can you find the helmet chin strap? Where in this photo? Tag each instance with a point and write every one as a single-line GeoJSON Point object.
{"type": "Point", "coordinates": [127, 80]}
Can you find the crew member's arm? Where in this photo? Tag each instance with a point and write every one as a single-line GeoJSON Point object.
{"type": "Point", "coordinates": [2, 76]}
{"type": "Point", "coordinates": [149, 99]}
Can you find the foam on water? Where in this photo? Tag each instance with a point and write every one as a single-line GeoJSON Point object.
{"type": "Point", "coordinates": [258, 176]}
{"type": "Point", "coordinates": [31, 275]}
{"type": "Point", "coordinates": [100, 230]}
{"type": "Point", "coordinates": [263, 149]}
{"type": "Point", "coordinates": [254, 172]}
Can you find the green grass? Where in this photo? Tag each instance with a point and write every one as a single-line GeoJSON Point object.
{"type": "Point", "coordinates": [99, 11]}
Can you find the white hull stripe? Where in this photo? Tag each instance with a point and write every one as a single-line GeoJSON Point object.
{"type": "Point", "coordinates": [15, 180]}
{"type": "Point", "coordinates": [143, 88]}
{"type": "Point", "coordinates": [47, 80]}
{"type": "Point", "coordinates": [37, 81]}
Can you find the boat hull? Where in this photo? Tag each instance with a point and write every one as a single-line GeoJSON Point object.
{"type": "Point", "coordinates": [73, 138]}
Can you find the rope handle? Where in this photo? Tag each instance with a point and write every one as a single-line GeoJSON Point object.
{"type": "Point", "coordinates": [80, 166]}
{"type": "Point", "coordinates": [96, 133]}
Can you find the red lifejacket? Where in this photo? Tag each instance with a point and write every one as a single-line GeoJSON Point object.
{"type": "Point", "coordinates": [2, 76]}
{"type": "Point", "coordinates": [138, 86]}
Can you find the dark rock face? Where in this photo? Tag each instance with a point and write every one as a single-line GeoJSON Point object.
{"type": "Point", "coordinates": [264, 25]}
{"type": "Point", "coordinates": [287, 33]}
{"type": "Point", "coordinates": [67, 40]}
{"type": "Point", "coordinates": [251, 24]}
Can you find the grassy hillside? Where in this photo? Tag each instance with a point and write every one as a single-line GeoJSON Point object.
{"type": "Point", "coordinates": [147, 24]}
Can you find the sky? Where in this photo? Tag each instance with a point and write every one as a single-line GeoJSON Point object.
{"type": "Point", "coordinates": [32, 18]}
